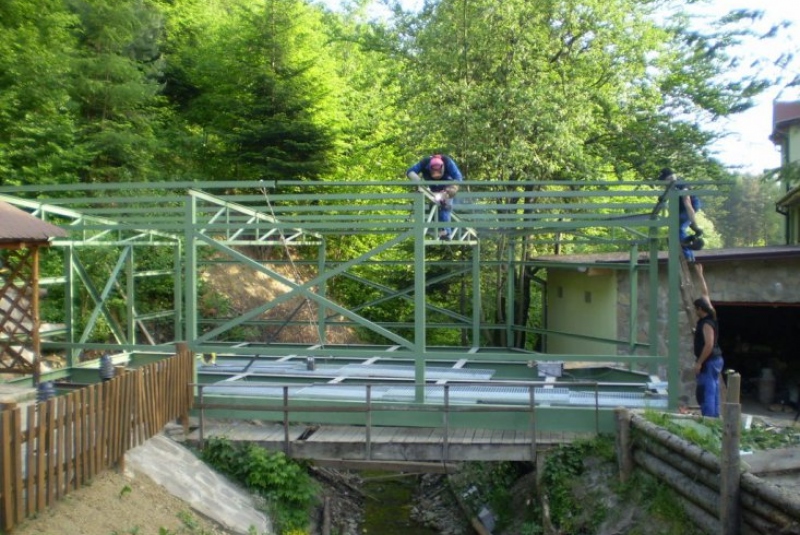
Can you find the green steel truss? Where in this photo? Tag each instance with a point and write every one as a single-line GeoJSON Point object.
{"type": "Point", "coordinates": [332, 232]}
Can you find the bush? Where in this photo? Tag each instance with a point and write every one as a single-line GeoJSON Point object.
{"type": "Point", "coordinates": [283, 482]}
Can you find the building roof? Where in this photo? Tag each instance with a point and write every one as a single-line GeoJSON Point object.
{"type": "Point", "coordinates": [774, 252]}
{"type": "Point", "coordinates": [784, 114]}
{"type": "Point", "coordinates": [791, 198]}
{"type": "Point", "coordinates": [18, 226]}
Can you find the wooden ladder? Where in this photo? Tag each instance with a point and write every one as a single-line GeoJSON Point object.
{"type": "Point", "coordinates": [688, 292]}
{"type": "Point", "coordinates": [688, 295]}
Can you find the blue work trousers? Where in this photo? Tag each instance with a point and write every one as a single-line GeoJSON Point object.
{"type": "Point", "coordinates": [708, 386]}
{"type": "Point", "coordinates": [683, 235]}
{"type": "Point", "coordinates": [445, 215]}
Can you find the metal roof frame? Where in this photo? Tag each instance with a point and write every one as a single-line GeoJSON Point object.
{"type": "Point", "coordinates": [389, 219]}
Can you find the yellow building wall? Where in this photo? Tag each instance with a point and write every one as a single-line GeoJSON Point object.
{"type": "Point", "coordinates": [582, 302]}
{"type": "Point", "coordinates": [793, 215]}
{"type": "Point", "coordinates": [794, 143]}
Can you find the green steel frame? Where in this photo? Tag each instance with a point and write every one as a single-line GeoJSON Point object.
{"type": "Point", "coordinates": [194, 224]}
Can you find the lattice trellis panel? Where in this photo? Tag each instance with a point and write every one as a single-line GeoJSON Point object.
{"type": "Point", "coordinates": [19, 311]}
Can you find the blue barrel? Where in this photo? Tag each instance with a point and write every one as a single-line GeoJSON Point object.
{"type": "Point", "coordinates": [45, 391]}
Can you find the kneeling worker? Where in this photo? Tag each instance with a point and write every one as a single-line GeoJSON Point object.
{"type": "Point", "coordinates": [444, 172]}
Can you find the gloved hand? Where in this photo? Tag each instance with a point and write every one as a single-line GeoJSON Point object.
{"type": "Point", "coordinates": [693, 242]}
{"type": "Point", "coordinates": [438, 197]}
{"type": "Point", "coordinates": [697, 230]}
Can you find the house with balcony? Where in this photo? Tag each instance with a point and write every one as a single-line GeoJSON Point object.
{"type": "Point", "coordinates": [786, 134]}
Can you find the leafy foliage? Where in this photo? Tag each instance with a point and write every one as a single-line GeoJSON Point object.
{"type": "Point", "coordinates": [562, 467]}
{"type": "Point", "coordinates": [266, 106]}
{"type": "Point", "coordinates": [519, 91]}
{"type": "Point", "coordinates": [649, 506]}
{"type": "Point", "coordinates": [746, 216]}
{"type": "Point", "coordinates": [38, 132]}
{"type": "Point", "coordinates": [757, 437]}
{"type": "Point", "coordinates": [247, 89]}
{"type": "Point", "coordinates": [283, 482]}
{"type": "Point", "coordinates": [492, 486]}
{"type": "Point", "coordinates": [660, 502]}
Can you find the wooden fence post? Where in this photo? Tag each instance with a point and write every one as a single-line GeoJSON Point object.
{"type": "Point", "coordinates": [182, 349]}
{"type": "Point", "coordinates": [624, 447]}
{"type": "Point", "coordinates": [734, 387]}
{"type": "Point", "coordinates": [730, 478]}
{"type": "Point", "coordinates": [9, 421]}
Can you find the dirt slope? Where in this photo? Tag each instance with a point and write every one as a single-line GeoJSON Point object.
{"type": "Point", "coordinates": [117, 503]}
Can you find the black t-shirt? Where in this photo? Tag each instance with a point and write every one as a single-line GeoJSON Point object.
{"type": "Point", "coordinates": [699, 337]}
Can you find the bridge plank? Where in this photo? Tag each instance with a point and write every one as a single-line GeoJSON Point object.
{"type": "Point", "coordinates": [468, 436]}
{"type": "Point", "coordinates": [523, 437]}
{"type": "Point", "coordinates": [341, 434]}
{"type": "Point", "coordinates": [384, 435]}
{"type": "Point", "coordinates": [389, 444]}
{"type": "Point", "coordinates": [460, 436]}
{"type": "Point", "coordinates": [482, 436]}
{"type": "Point", "coordinates": [497, 436]}
{"type": "Point", "coordinates": [417, 434]}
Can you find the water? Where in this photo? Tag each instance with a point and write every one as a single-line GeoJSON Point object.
{"type": "Point", "coordinates": [387, 508]}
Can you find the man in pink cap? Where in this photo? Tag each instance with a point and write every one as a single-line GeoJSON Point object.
{"type": "Point", "coordinates": [444, 172]}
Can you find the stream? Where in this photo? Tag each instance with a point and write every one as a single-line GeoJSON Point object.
{"type": "Point", "coordinates": [388, 504]}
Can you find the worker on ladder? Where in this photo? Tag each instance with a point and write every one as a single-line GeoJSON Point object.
{"type": "Point", "coordinates": [708, 355]}
{"type": "Point", "coordinates": [687, 217]}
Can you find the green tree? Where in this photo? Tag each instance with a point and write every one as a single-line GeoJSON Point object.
{"type": "Point", "coordinates": [561, 90]}
{"type": "Point", "coordinates": [115, 87]}
{"type": "Point", "coordinates": [371, 142]}
{"type": "Point", "coordinates": [253, 79]}
{"type": "Point", "coordinates": [746, 216]}
{"type": "Point", "coordinates": [37, 127]}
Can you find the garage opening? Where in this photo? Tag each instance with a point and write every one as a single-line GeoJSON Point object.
{"type": "Point", "coordinates": [762, 342]}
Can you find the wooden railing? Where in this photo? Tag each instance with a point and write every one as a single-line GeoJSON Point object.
{"type": "Point", "coordinates": [364, 409]}
{"type": "Point", "coordinates": [56, 446]}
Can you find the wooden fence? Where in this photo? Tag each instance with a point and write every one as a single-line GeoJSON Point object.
{"type": "Point", "coordinates": [716, 493]}
{"type": "Point", "coordinates": [58, 445]}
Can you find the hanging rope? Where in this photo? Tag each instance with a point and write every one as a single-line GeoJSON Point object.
{"type": "Point", "coordinates": [297, 278]}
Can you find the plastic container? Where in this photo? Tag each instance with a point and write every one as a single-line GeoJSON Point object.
{"type": "Point", "coordinates": [766, 387]}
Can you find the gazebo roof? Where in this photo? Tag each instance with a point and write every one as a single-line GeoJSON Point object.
{"type": "Point", "coordinates": [18, 226]}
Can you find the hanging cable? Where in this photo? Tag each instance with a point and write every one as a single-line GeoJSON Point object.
{"type": "Point", "coordinates": [295, 272]}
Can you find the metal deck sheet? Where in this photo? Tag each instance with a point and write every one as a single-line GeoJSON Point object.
{"type": "Point", "coordinates": [516, 395]}
{"type": "Point", "coordinates": [483, 394]}
{"type": "Point", "coordinates": [372, 371]}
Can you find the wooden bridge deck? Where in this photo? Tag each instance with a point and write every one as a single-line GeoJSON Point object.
{"type": "Point", "coordinates": [358, 443]}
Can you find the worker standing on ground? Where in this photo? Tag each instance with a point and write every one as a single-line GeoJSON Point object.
{"type": "Point", "coordinates": [709, 362]}
{"type": "Point", "coordinates": [687, 217]}
{"type": "Point", "coordinates": [444, 173]}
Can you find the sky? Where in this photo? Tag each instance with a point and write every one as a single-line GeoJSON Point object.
{"type": "Point", "coordinates": [747, 143]}
{"type": "Point", "coordinates": [745, 146]}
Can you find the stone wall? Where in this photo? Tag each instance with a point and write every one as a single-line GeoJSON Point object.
{"type": "Point", "coordinates": [736, 281]}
